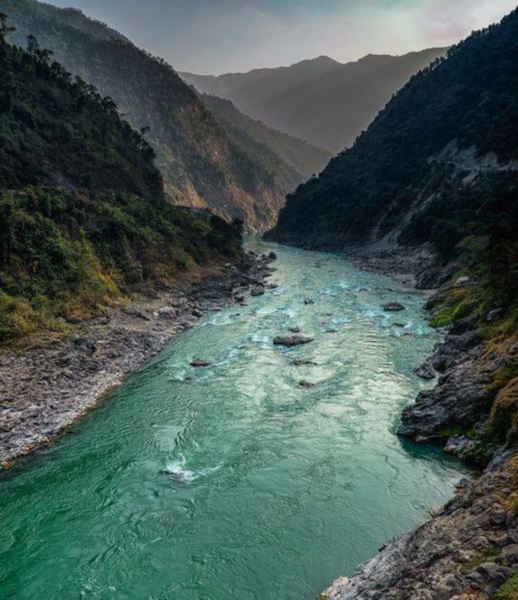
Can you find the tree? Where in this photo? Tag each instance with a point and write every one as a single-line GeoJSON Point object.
{"type": "Point", "coordinates": [41, 55]}
{"type": "Point", "coordinates": [5, 30]}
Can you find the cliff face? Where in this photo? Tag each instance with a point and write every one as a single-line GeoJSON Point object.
{"type": "Point", "coordinates": [467, 551]}
{"type": "Point", "coordinates": [201, 165]}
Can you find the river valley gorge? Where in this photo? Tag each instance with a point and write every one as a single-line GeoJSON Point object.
{"type": "Point", "coordinates": [262, 476]}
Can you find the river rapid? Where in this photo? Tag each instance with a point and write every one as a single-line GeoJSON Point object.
{"type": "Point", "coordinates": [234, 482]}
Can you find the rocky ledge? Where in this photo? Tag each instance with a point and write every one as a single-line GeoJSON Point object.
{"type": "Point", "coordinates": [46, 388]}
{"type": "Point", "coordinates": [465, 552]}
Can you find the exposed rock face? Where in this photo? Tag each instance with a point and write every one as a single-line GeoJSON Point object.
{"type": "Point", "coordinates": [257, 290]}
{"type": "Point", "coordinates": [426, 370]}
{"type": "Point", "coordinates": [461, 395]}
{"type": "Point", "coordinates": [464, 553]}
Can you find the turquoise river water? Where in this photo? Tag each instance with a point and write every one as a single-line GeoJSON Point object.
{"type": "Point", "coordinates": [233, 482]}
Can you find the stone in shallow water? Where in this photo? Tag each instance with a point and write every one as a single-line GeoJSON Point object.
{"type": "Point", "coordinates": [200, 363]}
{"type": "Point", "coordinates": [304, 363]}
{"type": "Point", "coordinates": [292, 340]}
{"type": "Point", "coordinates": [306, 384]}
{"type": "Point", "coordinates": [426, 370]}
{"type": "Point", "coordinates": [393, 307]}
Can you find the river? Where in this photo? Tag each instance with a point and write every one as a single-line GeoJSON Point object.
{"type": "Point", "coordinates": [233, 482]}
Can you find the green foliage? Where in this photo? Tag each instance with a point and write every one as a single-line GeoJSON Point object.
{"type": "Point", "coordinates": [68, 252]}
{"type": "Point", "coordinates": [504, 413]}
{"type": "Point", "coordinates": [509, 591]}
{"type": "Point", "coordinates": [200, 164]}
{"type": "Point", "coordinates": [456, 305]}
{"type": "Point", "coordinates": [53, 130]}
{"type": "Point", "coordinates": [470, 98]}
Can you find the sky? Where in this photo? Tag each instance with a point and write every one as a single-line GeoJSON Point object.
{"type": "Point", "coordinates": [218, 36]}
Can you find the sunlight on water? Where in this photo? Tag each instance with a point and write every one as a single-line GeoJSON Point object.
{"type": "Point", "coordinates": [234, 482]}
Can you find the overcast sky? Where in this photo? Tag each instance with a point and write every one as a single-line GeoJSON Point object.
{"type": "Point", "coordinates": [216, 36]}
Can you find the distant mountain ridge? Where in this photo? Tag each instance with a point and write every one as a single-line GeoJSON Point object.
{"type": "Point", "coordinates": [250, 87]}
{"type": "Point", "coordinates": [320, 100]}
{"type": "Point", "coordinates": [201, 164]}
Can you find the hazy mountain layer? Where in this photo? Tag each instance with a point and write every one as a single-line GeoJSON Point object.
{"type": "Point", "coordinates": [201, 165]}
{"type": "Point", "coordinates": [325, 102]}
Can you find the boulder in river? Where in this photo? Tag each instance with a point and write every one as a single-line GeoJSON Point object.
{"type": "Point", "coordinates": [292, 340]}
{"type": "Point", "coordinates": [308, 301]}
{"type": "Point", "coordinates": [306, 384]}
{"type": "Point", "coordinates": [294, 329]}
{"type": "Point", "coordinates": [393, 307]}
{"type": "Point", "coordinates": [257, 290]}
{"type": "Point", "coordinates": [304, 363]}
{"type": "Point", "coordinates": [200, 363]}
{"type": "Point", "coordinates": [272, 255]}
{"type": "Point", "coordinates": [426, 370]}
{"type": "Point", "coordinates": [167, 313]}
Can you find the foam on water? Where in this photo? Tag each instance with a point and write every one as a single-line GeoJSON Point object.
{"type": "Point", "coordinates": [180, 473]}
{"type": "Point", "coordinates": [238, 483]}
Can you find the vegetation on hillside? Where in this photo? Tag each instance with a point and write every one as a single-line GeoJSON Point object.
{"type": "Point", "coordinates": [469, 97]}
{"type": "Point", "coordinates": [83, 217]}
{"type": "Point", "coordinates": [200, 163]}
{"type": "Point", "coordinates": [290, 160]}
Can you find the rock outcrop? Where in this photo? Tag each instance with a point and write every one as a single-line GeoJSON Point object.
{"type": "Point", "coordinates": [466, 552]}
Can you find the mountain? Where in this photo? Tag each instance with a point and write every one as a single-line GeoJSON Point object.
{"type": "Point", "coordinates": [451, 127]}
{"type": "Point", "coordinates": [438, 170]}
{"type": "Point", "coordinates": [333, 109]}
{"type": "Point", "coordinates": [201, 165]}
{"type": "Point", "coordinates": [258, 85]}
{"type": "Point", "coordinates": [83, 216]}
{"type": "Point", "coordinates": [290, 159]}
{"type": "Point", "coordinates": [325, 102]}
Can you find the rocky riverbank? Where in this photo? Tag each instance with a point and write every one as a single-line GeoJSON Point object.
{"type": "Point", "coordinates": [49, 386]}
{"type": "Point", "coordinates": [469, 549]}
{"type": "Point", "coordinates": [465, 552]}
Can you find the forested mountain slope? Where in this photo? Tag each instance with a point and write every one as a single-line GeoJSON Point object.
{"type": "Point", "coordinates": [325, 102]}
{"type": "Point", "coordinates": [201, 165]}
{"type": "Point", "coordinates": [428, 149]}
{"type": "Point", "coordinates": [83, 216]}
{"type": "Point", "coordinates": [291, 159]}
